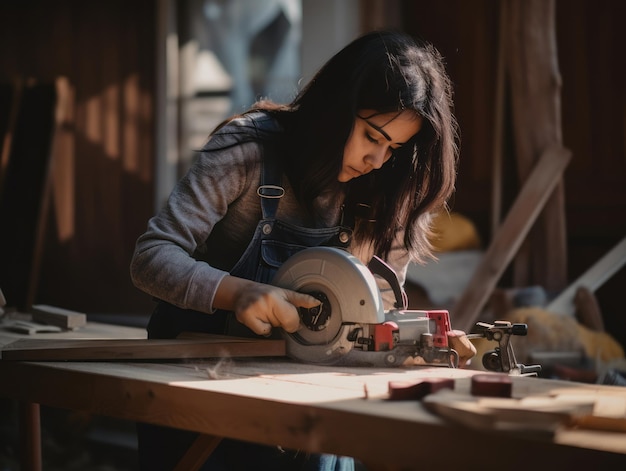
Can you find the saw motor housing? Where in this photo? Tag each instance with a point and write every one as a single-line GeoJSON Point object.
{"type": "Point", "coordinates": [416, 337]}
{"type": "Point", "coordinates": [351, 324]}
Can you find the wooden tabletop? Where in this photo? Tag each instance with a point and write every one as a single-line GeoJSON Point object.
{"type": "Point", "coordinates": [337, 410]}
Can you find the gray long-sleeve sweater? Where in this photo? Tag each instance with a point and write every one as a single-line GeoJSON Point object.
{"type": "Point", "coordinates": [210, 218]}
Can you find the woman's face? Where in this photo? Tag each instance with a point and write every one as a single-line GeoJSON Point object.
{"type": "Point", "coordinates": [373, 139]}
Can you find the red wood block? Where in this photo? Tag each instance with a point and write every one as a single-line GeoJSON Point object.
{"type": "Point", "coordinates": [495, 385]}
{"type": "Point", "coordinates": [405, 391]}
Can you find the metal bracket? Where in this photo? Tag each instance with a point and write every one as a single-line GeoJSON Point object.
{"type": "Point", "coordinates": [502, 358]}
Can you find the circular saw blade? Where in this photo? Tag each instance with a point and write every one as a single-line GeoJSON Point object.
{"type": "Point", "coordinates": [350, 296]}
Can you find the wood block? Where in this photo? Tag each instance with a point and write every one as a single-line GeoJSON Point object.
{"type": "Point", "coordinates": [63, 318]}
{"type": "Point", "coordinates": [496, 385]}
{"type": "Point", "coordinates": [405, 391]}
{"type": "Point", "coordinates": [588, 311]}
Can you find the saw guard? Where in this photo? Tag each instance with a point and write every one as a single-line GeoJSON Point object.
{"type": "Point", "coordinates": [342, 275]}
{"type": "Point", "coordinates": [352, 294]}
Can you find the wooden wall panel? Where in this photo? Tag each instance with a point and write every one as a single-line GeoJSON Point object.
{"type": "Point", "coordinates": [102, 183]}
{"type": "Point", "coordinates": [590, 41]}
{"type": "Point", "coordinates": [591, 38]}
{"type": "Point", "coordinates": [466, 35]}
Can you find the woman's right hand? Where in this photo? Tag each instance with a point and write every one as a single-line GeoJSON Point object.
{"type": "Point", "coordinates": [260, 306]}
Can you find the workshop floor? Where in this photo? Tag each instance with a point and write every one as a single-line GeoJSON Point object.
{"type": "Point", "coordinates": [71, 441]}
{"type": "Point", "coordinates": [74, 441]}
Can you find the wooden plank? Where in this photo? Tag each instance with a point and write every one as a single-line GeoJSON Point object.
{"type": "Point", "coordinates": [140, 349]}
{"type": "Point", "coordinates": [27, 327]}
{"type": "Point", "coordinates": [62, 111]}
{"type": "Point", "coordinates": [93, 330]}
{"type": "Point", "coordinates": [592, 279]}
{"type": "Point", "coordinates": [569, 407]}
{"type": "Point", "coordinates": [503, 247]}
{"type": "Point", "coordinates": [540, 415]}
{"type": "Point", "coordinates": [25, 193]}
{"type": "Point", "coordinates": [10, 96]}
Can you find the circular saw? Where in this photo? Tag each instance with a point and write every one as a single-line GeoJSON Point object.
{"type": "Point", "coordinates": [350, 325]}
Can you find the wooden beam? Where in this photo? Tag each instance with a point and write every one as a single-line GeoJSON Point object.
{"type": "Point", "coordinates": [546, 174]}
{"type": "Point", "coordinates": [30, 433]}
{"type": "Point", "coordinates": [141, 349]}
{"type": "Point", "coordinates": [498, 125]}
{"type": "Point", "coordinates": [198, 453]}
{"type": "Point", "coordinates": [535, 84]}
{"type": "Point", "coordinates": [592, 279]}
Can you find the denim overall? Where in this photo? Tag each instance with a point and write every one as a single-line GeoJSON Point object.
{"type": "Point", "coordinates": [273, 243]}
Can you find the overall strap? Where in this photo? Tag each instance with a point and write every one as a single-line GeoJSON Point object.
{"type": "Point", "coordinates": [270, 190]}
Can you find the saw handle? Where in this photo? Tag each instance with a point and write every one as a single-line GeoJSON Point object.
{"type": "Point", "coordinates": [382, 269]}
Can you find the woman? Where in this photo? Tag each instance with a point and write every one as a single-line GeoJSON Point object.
{"type": "Point", "coordinates": [360, 160]}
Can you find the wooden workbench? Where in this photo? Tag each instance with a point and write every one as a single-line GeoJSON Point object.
{"type": "Point", "coordinates": [276, 401]}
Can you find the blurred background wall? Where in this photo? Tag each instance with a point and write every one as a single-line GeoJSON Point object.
{"type": "Point", "coordinates": [148, 80]}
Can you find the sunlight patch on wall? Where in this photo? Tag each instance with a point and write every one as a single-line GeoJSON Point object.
{"type": "Point", "coordinates": [110, 132]}
{"type": "Point", "coordinates": [131, 123]}
{"type": "Point", "coordinates": [92, 121]}
{"type": "Point", "coordinates": [63, 166]}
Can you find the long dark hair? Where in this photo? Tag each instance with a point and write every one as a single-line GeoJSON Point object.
{"type": "Point", "coordinates": [384, 71]}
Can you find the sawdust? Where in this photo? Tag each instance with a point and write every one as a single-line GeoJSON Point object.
{"type": "Point", "coordinates": [220, 370]}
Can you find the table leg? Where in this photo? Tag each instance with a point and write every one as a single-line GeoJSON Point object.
{"type": "Point", "coordinates": [30, 436]}
{"type": "Point", "coordinates": [198, 452]}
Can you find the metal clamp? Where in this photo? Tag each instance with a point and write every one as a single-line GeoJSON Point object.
{"type": "Point", "coordinates": [502, 358]}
